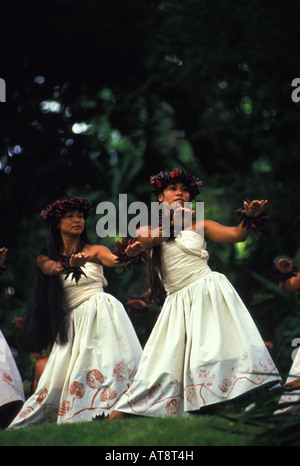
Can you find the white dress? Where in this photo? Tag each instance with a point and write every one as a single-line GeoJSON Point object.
{"type": "Point", "coordinates": [87, 376]}
{"type": "Point", "coordinates": [11, 386]}
{"type": "Point", "coordinates": [294, 395]}
{"type": "Point", "coordinates": [204, 348]}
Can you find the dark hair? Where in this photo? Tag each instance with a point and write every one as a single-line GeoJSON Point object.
{"type": "Point", "coordinates": [155, 273]}
{"type": "Point", "coordinates": [47, 318]}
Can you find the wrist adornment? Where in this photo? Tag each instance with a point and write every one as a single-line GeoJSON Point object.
{"type": "Point", "coordinates": [76, 272]}
{"type": "Point", "coordinates": [3, 269]}
{"type": "Point", "coordinates": [283, 276]}
{"type": "Point", "coordinates": [252, 224]}
{"type": "Point", "coordinates": [122, 257]}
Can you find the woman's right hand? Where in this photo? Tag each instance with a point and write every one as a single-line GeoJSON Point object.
{"type": "Point", "coordinates": [182, 217]}
{"type": "Point", "coordinates": [56, 268]}
{"type": "Point", "coordinates": [284, 265]}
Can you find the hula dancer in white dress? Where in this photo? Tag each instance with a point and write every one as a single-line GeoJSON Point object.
{"type": "Point", "coordinates": [289, 282]}
{"type": "Point", "coordinates": [95, 350]}
{"type": "Point", "coordinates": [11, 386]}
{"type": "Point", "coordinates": [205, 349]}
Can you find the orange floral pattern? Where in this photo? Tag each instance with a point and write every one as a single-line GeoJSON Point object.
{"type": "Point", "coordinates": [7, 379]}
{"type": "Point", "coordinates": [42, 396]}
{"type": "Point", "coordinates": [95, 391]}
{"type": "Point", "coordinates": [225, 385]}
{"type": "Point", "coordinates": [94, 379]}
{"type": "Point", "coordinates": [171, 398]}
{"type": "Point", "coordinates": [26, 412]}
{"type": "Point", "coordinates": [155, 391]}
{"type": "Point", "coordinates": [108, 394]}
{"type": "Point", "coordinates": [64, 408]}
{"type": "Point", "coordinates": [77, 389]}
{"type": "Point", "coordinates": [172, 407]}
{"type": "Point", "coordinates": [124, 372]}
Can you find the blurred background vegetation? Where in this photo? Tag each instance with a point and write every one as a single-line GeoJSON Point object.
{"type": "Point", "coordinates": [104, 93]}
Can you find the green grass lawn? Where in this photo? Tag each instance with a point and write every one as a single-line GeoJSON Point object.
{"type": "Point", "coordinates": [167, 432]}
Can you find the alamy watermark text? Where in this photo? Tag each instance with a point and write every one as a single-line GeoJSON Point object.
{"type": "Point", "coordinates": [2, 90]}
{"type": "Point", "coordinates": [180, 215]}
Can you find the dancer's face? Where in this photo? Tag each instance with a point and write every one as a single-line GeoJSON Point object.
{"type": "Point", "coordinates": [72, 223]}
{"type": "Point", "coordinates": [175, 192]}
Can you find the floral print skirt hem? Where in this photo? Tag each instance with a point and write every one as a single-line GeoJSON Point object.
{"type": "Point", "coordinates": [87, 376]}
{"type": "Point", "coordinates": [93, 393]}
{"type": "Point", "coordinates": [204, 349]}
{"type": "Point", "coordinates": [207, 388]}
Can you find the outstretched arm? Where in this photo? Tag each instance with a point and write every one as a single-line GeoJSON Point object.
{"type": "Point", "coordinates": [95, 253]}
{"type": "Point", "coordinates": [3, 267]}
{"type": "Point", "coordinates": [48, 266]}
{"type": "Point", "coordinates": [106, 257]}
{"type": "Point", "coordinates": [223, 234]}
{"type": "Point", "coordinates": [3, 252]}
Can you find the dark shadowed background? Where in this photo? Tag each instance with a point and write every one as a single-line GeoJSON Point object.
{"type": "Point", "coordinates": [104, 93]}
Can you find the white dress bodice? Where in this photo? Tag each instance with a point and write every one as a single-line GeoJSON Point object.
{"type": "Point", "coordinates": [184, 260]}
{"type": "Point", "coordinates": [93, 283]}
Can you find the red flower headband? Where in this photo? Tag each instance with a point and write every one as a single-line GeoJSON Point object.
{"type": "Point", "coordinates": [162, 179]}
{"type": "Point", "coordinates": [60, 207]}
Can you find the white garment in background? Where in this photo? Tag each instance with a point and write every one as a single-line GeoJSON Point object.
{"type": "Point", "coordinates": [11, 386]}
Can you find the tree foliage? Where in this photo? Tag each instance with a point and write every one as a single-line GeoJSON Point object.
{"type": "Point", "coordinates": [103, 94]}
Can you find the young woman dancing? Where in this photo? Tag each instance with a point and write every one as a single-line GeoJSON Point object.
{"type": "Point", "coordinates": [205, 350]}
{"type": "Point", "coordinates": [288, 277]}
{"type": "Point", "coordinates": [11, 387]}
{"type": "Point", "coordinates": [95, 351]}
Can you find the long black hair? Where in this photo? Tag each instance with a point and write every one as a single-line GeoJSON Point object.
{"type": "Point", "coordinates": [47, 318]}
{"type": "Point", "coordinates": [154, 277]}
{"type": "Point", "coordinates": [155, 270]}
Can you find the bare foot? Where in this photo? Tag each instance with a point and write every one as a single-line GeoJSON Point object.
{"type": "Point", "coordinates": [293, 384]}
{"type": "Point", "coordinates": [116, 415]}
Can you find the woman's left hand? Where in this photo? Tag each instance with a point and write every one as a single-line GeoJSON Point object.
{"type": "Point", "coordinates": [79, 259]}
{"type": "Point", "coordinates": [3, 252]}
{"type": "Point", "coordinates": [134, 249]}
{"type": "Point", "coordinates": [255, 208]}
{"type": "Point", "coordinates": [284, 265]}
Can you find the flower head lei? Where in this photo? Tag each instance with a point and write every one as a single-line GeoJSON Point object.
{"type": "Point", "coordinates": [61, 206]}
{"type": "Point", "coordinates": [162, 179]}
